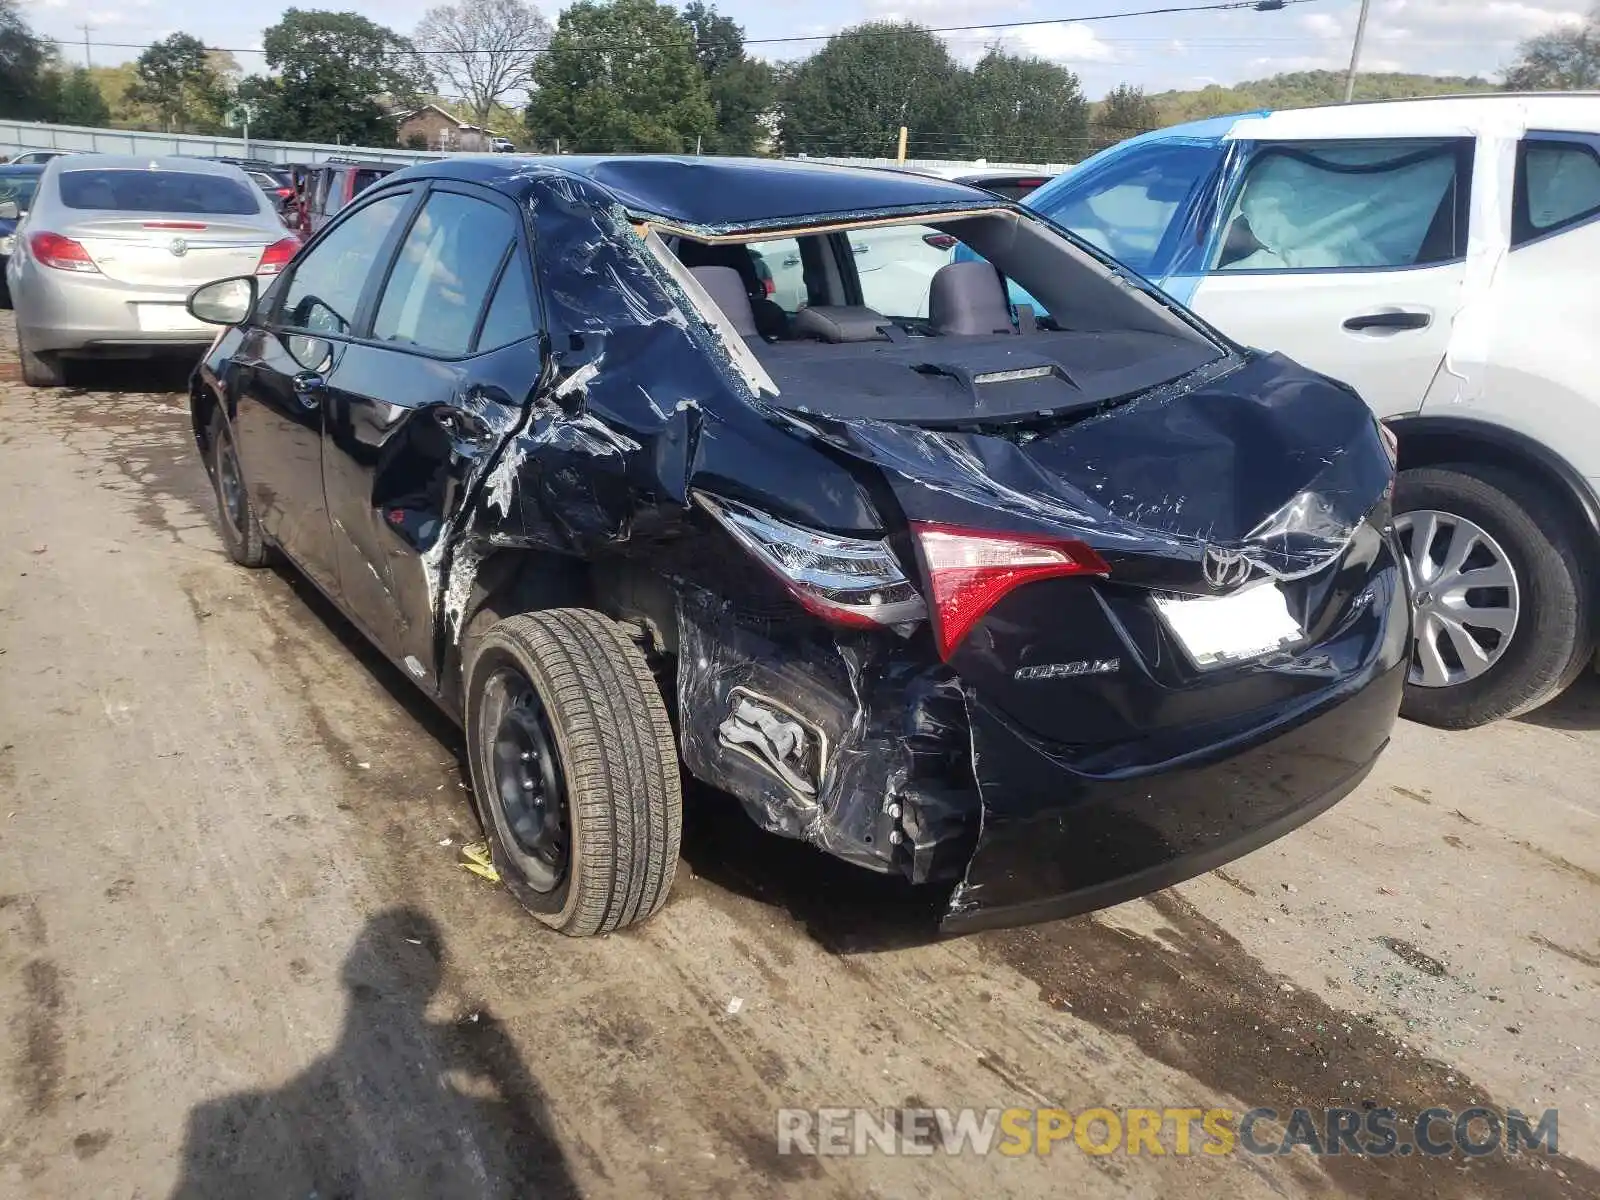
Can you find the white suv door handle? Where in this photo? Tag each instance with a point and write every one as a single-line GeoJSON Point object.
{"type": "Point", "coordinates": [1389, 321]}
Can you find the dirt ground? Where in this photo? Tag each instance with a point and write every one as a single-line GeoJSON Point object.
{"type": "Point", "coordinates": [231, 905]}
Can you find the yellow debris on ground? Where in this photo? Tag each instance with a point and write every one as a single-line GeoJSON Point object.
{"type": "Point", "coordinates": [479, 862]}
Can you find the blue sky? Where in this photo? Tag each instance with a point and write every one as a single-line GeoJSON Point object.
{"type": "Point", "coordinates": [1175, 51]}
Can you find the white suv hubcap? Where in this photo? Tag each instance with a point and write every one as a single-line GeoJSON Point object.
{"type": "Point", "coordinates": [1464, 596]}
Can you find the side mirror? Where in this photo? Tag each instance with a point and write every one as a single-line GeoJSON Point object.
{"type": "Point", "coordinates": [8, 210]}
{"type": "Point", "coordinates": [225, 302]}
{"type": "Point", "coordinates": [313, 353]}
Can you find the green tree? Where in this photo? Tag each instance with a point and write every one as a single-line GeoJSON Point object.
{"type": "Point", "coordinates": [620, 76]}
{"type": "Point", "coordinates": [25, 91]}
{"type": "Point", "coordinates": [1299, 89]}
{"type": "Point", "coordinates": [853, 95]}
{"type": "Point", "coordinates": [79, 102]}
{"type": "Point", "coordinates": [338, 75]}
{"type": "Point", "coordinates": [1026, 110]}
{"type": "Point", "coordinates": [175, 80]}
{"type": "Point", "coordinates": [741, 88]}
{"type": "Point", "coordinates": [1563, 60]}
{"type": "Point", "coordinates": [1124, 113]}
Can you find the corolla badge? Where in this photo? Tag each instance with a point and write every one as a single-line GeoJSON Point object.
{"type": "Point", "coordinates": [179, 247]}
{"type": "Point", "coordinates": [1224, 569]}
{"type": "Point", "coordinates": [1071, 670]}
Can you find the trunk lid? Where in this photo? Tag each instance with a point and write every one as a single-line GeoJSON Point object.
{"type": "Point", "coordinates": [177, 251]}
{"type": "Point", "coordinates": [1240, 513]}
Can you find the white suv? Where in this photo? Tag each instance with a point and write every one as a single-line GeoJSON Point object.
{"type": "Point", "coordinates": [1442, 257]}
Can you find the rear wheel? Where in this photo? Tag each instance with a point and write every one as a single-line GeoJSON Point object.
{"type": "Point", "coordinates": [574, 769]}
{"type": "Point", "coordinates": [1500, 597]}
{"type": "Point", "coordinates": [236, 516]}
{"type": "Point", "coordinates": [39, 369]}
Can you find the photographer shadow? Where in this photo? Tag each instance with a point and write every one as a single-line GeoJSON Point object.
{"type": "Point", "coordinates": [402, 1106]}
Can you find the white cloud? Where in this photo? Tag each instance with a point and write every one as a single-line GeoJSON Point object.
{"type": "Point", "coordinates": [1059, 43]}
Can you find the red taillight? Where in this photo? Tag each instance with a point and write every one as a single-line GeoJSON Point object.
{"type": "Point", "coordinates": [285, 192]}
{"type": "Point", "coordinates": [189, 226]}
{"type": "Point", "coordinates": [939, 241]}
{"type": "Point", "coordinates": [62, 253]}
{"type": "Point", "coordinates": [276, 256]}
{"type": "Point", "coordinates": [969, 570]}
{"type": "Point", "coordinates": [769, 286]}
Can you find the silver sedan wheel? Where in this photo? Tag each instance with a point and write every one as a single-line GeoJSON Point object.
{"type": "Point", "coordinates": [1464, 597]}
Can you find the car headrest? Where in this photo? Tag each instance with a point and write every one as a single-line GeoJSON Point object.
{"type": "Point", "coordinates": [968, 298]}
{"type": "Point", "coordinates": [726, 288]}
{"type": "Point", "coordinates": [840, 323]}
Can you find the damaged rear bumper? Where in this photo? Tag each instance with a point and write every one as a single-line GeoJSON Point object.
{"type": "Point", "coordinates": [1059, 839]}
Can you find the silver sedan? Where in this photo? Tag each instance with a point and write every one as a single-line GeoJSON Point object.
{"type": "Point", "coordinates": [113, 245]}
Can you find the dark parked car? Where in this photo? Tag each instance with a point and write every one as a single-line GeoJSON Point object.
{"type": "Point", "coordinates": [1007, 182]}
{"type": "Point", "coordinates": [17, 186]}
{"type": "Point", "coordinates": [1052, 612]}
{"type": "Point", "coordinates": [35, 158]}
{"type": "Point", "coordinates": [275, 179]}
{"type": "Point", "coordinates": [331, 185]}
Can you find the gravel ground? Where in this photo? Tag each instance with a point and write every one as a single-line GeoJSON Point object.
{"type": "Point", "coordinates": [231, 904]}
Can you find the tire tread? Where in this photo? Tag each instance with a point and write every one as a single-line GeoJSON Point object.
{"type": "Point", "coordinates": [619, 758]}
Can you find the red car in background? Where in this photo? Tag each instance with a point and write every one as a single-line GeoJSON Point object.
{"type": "Point", "coordinates": [329, 186]}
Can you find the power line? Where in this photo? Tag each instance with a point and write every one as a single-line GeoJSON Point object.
{"type": "Point", "coordinates": [795, 39]}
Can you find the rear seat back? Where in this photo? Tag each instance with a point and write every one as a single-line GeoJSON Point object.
{"type": "Point", "coordinates": [725, 287]}
{"type": "Point", "coordinates": [968, 299]}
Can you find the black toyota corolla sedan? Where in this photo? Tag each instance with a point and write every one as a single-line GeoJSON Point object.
{"type": "Point", "coordinates": [639, 465]}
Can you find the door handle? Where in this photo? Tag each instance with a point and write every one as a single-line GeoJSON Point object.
{"type": "Point", "coordinates": [309, 388]}
{"type": "Point", "coordinates": [859, 249]}
{"type": "Point", "coordinates": [1395, 321]}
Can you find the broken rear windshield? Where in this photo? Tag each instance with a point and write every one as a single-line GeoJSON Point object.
{"type": "Point", "coordinates": [158, 192]}
{"type": "Point", "coordinates": [887, 321]}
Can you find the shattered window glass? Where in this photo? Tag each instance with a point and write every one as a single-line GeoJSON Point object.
{"type": "Point", "coordinates": [447, 264]}
{"type": "Point", "coordinates": [1340, 206]}
{"type": "Point", "coordinates": [1558, 185]}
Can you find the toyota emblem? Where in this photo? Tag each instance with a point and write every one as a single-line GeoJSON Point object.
{"type": "Point", "coordinates": [1224, 569]}
{"type": "Point", "coordinates": [179, 247]}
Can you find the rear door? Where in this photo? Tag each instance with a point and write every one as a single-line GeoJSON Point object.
{"type": "Point", "coordinates": [281, 368]}
{"type": "Point", "coordinates": [437, 383]}
{"type": "Point", "coordinates": [1349, 256]}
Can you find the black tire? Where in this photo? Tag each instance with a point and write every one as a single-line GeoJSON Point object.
{"type": "Point", "coordinates": [598, 706]}
{"type": "Point", "coordinates": [236, 521]}
{"type": "Point", "coordinates": [1552, 640]}
{"type": "Point", "coordinates": [40, 369]}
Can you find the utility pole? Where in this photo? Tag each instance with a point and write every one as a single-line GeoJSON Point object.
{"type": "Point", "coordinates": [87, 30]}
{"type": "Point", "coordinates": [900, 152]}
{"type": "Point", "coordinates": [1355, 53]}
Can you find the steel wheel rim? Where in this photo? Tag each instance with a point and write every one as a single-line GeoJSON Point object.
{"type": "Point", "coordinates": [528, 788]}
{"type": "Point", "coordinates": [230, 486]}
{"type": "Point", "coordinates": [1465, 598]}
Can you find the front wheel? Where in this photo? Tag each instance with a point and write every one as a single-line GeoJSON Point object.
{"type": "Point", "coordinates": [236, 516]}
{"type": "Point", "coordinates": [574, 769]}
{"type": "Point", "coordinates": [1500, 596]}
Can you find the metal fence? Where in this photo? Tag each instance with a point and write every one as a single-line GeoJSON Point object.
{"type": "Point", "coordinates": [19, 136]}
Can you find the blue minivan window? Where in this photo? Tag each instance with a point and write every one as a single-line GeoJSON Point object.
{"type": "Point", "coordinates": [1128, 204]}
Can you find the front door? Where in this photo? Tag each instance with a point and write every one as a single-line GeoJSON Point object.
{"type": "Point", "coordinates": [416, 405]}
{"type": "Point", "coordinates": [1349, 257]}
{"type": "Point", "coordinates": [282, 366]}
